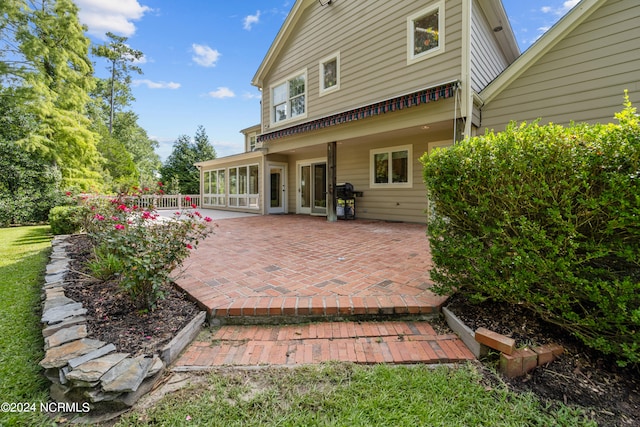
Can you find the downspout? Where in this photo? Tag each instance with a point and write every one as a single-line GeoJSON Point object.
{"type": "Point", "coordinates": [466, 107]}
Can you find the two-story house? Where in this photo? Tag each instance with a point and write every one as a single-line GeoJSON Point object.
{"type": "Point", "coordinates": [357, 92]}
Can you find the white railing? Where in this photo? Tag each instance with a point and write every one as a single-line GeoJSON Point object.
{"type": "Point", "coordinates": [164, 201]}
{"type": "Point", "coordinates": [169, 201]}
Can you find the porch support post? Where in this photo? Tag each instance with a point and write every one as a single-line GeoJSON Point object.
{"type": "Point", "coordinates": [331, 181]}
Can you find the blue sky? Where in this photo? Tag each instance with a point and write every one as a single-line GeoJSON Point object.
{"type": "Point", "coordinates": [200, 57]}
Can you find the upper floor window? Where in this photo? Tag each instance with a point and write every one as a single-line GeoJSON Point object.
{"type": "Point", "coordinates": [252, 141]}
{"type": "Point", "coordinates": [289, 98]}
{"type": "Point", "coordinates": [391, 167]}
{"type": "Point", "coordinates": [425, 33]}
{"type": "Point", "coordinates": [330, 74]}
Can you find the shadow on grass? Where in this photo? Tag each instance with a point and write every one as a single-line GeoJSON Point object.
{"type": "Point", "coordinates": [35, 235]}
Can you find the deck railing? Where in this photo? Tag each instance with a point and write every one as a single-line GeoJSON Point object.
{"type": "Point", "coordinates": [164, 201]}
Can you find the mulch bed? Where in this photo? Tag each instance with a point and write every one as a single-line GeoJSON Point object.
{"type": "Point", "coordinates": [111, 315]}
{"type": "Point", "coordinates": [580, 377]}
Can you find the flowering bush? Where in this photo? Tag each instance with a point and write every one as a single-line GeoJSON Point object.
{"type": "Point", "coordinates": [143, 246]}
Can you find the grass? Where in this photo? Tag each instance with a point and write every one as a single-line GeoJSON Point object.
{"type": "Point", "coordinates": [23, 257]}
{"type": "Point", "coordinates": [351, 395]}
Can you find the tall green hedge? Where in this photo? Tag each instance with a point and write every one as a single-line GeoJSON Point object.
{"type": "Point", "coordinates": [547, 217]}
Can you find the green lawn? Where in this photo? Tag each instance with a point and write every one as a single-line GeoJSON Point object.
{"type": "Point", "coordinates": [23, 256]}
{"type": "Point", "coordinates": [351, 395]}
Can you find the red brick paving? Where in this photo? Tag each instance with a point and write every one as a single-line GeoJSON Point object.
{"type": "Point", "coordinates": [286, 345]}
{"type": "Point", "coordinates": [298, 265]}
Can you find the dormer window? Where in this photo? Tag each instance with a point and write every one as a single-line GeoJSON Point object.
{"type": "Point", "coordinates": [330, 74]}
{"type": "Point", "coordinates": [289, 98]}
{"type": "Point", "coordinates": [425, 33]}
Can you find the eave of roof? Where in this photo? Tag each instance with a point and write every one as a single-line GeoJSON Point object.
{"type": "Point", "coordinates": [553, 36]}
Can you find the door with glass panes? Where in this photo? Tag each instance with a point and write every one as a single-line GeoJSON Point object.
{"type": "Point", "coordinates": [312, 187]}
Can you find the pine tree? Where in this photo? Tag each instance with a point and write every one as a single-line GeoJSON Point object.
{"type": "Point", "coordinates": [59, 77]}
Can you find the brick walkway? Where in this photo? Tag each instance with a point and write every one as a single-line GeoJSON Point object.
{"type": "Point", "coordinates": [290, 345]}
{"type": "Point", "coordinates": [294, 266]}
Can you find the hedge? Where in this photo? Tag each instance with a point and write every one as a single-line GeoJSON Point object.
{"type": "Point", "coordinates": [547, 217]}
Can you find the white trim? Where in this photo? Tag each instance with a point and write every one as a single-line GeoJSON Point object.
{"type": "Point", "coordinates": [372, 175]}
{"type": "Point", "coordinates": [274, 123]}
{"type": "Point", "coordinates": [267, 195]}
{"type": "Point", "coordinates": [413, 58]}
{"type": "Point", "coordinates": [299, 164]}
{"type": "Point", "coordinates": [544, 44]}
{"type": "Point", "coordinates": [324, 91]}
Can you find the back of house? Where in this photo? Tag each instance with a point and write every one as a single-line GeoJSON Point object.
{"type": "Point", "coordinates": [356, 92]}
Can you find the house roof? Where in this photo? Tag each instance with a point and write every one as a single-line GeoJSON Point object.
{"type": "Point", "coordinates": [553, 36]}
{"type": "Point", "coordinates": [287, 27]}
{"type": "Point", "coordinates": [493, 10]}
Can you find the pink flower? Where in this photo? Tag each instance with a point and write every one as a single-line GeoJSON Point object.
{"type": "Point", "coordinates": [198, 214]}
{"type": "Point", "coordinates": [189, 246]}
{"type": "Point", "coordinates": [188, 418]}
{"type": "Point", "coordinates": [68, 194]}
{"type": "Point", "coordinates": [207, 219]}
{"type": "Point", "coordinates": [119, 227]}
{"type": "Point", "coordinates": [187, 198]}
{"type": "Point", "coordinates": [115, 218]}
{"type": "Point", "coordinates": [99, 217]}
{"type": "Point", "coordinates": [193, 206]}
{"type": "Point", "coordinates": [146, 215]}
{"type": "Point", "coordinates": [160, 184]}
{"type": "Point", "coordinates": [177, 213]}
{"type": "Point", "coordinates": [122, 208]}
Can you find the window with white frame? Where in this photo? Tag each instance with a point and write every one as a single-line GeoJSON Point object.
{"type": "Point", "coordinates": [289, 98]}
{"type": "Point", "coordinates": [330, 74]}
{"type": "Point", "coordinates": [214, 192]}
{"type": "Point", "coordinates": [391, 167]}
{"type": "Point", "coordinates": [425, 33]}
{"type": "Point", "coordinates": [244, 186]}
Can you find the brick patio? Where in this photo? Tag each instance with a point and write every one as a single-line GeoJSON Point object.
{"type": "Point", "coordinates": [260, 270]}
{"type": "Point", "coordinates": [293, 266]}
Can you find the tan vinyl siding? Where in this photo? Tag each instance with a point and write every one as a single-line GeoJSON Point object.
{"type": "Point", "coordinates": [371, 38]}
{"type": "Point", "coordinates": [582, 78]}
{"type": "Point", "coordinates": [487, 60]}
{"type": "Point", "coordinates": [353, 166]}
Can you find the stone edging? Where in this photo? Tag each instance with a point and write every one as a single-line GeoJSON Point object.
{"type": "Point", "coordinates": [86, 373]}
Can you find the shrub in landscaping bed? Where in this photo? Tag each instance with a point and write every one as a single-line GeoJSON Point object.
{"type": "Point", "coordinates": [547, 217]}
{"type": "Point", "coordinates": [138, 247]}
{"type": "Point", "coordinates": [66, 219]}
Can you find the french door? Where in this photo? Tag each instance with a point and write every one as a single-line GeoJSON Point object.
{"type": "Point", "coordinates": [312, 187]}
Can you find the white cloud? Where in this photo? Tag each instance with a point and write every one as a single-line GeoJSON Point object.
{"type": "Point", "coordinates": [156, 85]}
{"type": "Point", "coordinates": [249, 95]}
{"type": "Point", "coordinates": [114, 16]}
{"type": "Point", "coordinates": [204, 55]}
{"type": "Point", "coordinates": [560, 11]}
{"type": "Point", "coordinates": [249, 20]}
{"type": "Point", "coordinates": [222, 92]}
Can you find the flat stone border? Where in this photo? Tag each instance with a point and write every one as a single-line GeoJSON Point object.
{"type": "Point", "coordinates": [89, 374]}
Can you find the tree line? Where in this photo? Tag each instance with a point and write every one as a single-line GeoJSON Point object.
{"type": "Point", "coordinates": [63, 129]}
